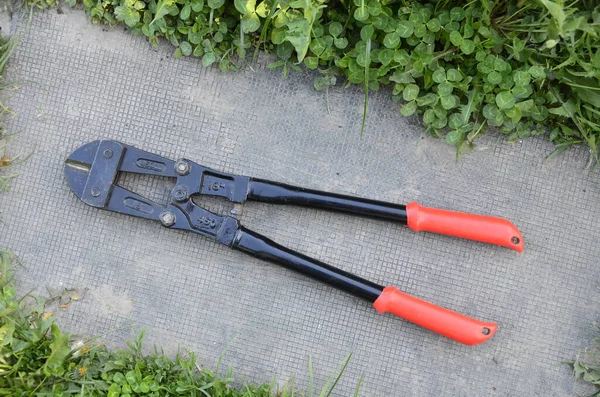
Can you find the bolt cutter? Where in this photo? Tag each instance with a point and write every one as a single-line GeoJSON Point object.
{"type": "Point", "coordinates": [91, 172]}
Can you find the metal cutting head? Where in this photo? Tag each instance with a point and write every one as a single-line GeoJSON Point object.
{"type": "Point", "coordinates": [97, 165]}
{"type": "Point", "coordinates": [92, 170]}
{"type": "Point", "coordinates": [78, 166]}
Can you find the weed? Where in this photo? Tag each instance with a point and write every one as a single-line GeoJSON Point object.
{"type": "Point", "coordinates": [524, 67]}
{"type": "Point", "coordinates": [586, 367]}
{"type": "Point", "coordinates": [7, 47]}
{"type": "Point", "coordinates": [38, 359]}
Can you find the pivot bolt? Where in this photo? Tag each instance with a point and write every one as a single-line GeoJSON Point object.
{"type": "Point", "coordinates": [108, 153]}
{"type": "Point", "coordinates": [180, 193]}
{"type": "Point", "coordinates": [182, 167]}
{"type": "Point", "coordinates": [167, 218]}
{"type": "Point", "coordinates": [95, 191]}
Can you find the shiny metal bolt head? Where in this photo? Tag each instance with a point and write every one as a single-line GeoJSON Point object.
{"type": "Point", "coordinates": [182, 167]}
{"type": "Point", "coordinates": [95, 191]}
{"type": "Point", "coordinates": [167, 218]}
{"type": "Point", "coordinates": [108, 153]}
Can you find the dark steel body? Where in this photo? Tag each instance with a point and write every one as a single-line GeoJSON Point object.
{"type": "Point", "coordinates": [264, 248]}
{"type": "Point", "coordinates": [92, 170]}
{"type": "Point", "coordinates": [280, 193]}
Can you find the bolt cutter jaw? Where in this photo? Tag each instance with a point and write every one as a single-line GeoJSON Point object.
{"type": "Point", "coordinates": [100, 162]}
{"type": "Point", "coordinates": [92, 170]}
{"type": "Point", "coordinates": [78, 166]}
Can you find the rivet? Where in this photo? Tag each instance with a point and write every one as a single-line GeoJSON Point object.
{"type": "Point", "coordinates": [167, 218]}
{"type": "Point", "coordinates": [182, 167]}
{"type": "Point", "coordinates": [180, 193]}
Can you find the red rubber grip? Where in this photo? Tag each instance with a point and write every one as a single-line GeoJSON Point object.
{"type": "Point", "coordinates": [487, 229]}
{"type": "Point", "coordinates": [442, 321]}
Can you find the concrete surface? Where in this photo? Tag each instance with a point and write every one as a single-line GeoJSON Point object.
{"type": "Point", "coordinates": [80, 83]}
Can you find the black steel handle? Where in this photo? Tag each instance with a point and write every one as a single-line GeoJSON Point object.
{"type": "Point", "coordinates": [281, 193]}
{"type": "Point", "coordinates": [264, 248]}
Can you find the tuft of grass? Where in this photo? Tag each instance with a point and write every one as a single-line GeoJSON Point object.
{"type": "Point", "coordinates": [38, 359]}
{"type": "Point", "coordinates": [524, 68]}
{"type": "Point", "coordinates": [7, 47]}
{"type": "Point", "coordinates": [586, 367]}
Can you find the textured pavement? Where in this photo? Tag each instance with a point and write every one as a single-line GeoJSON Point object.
{"type": "Point", "coordinates": [80, 83]}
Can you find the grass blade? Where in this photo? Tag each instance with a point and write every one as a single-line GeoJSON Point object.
{"type": "Point", "coordinates": [337, 379]}
{"type": "Point", "coordinates": [366, 86]}
{"type": "Point", "coordinates": [311, 378]}
{"type": "Point", "coordinates": [347, 360]}
{"type": "Point", "coordinates": [357, 391]}
{"type": "Point", "coordinates": [263, 33]}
